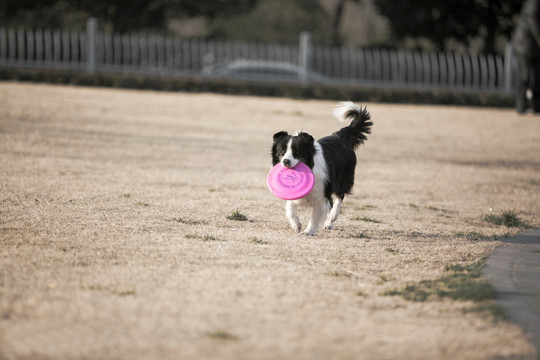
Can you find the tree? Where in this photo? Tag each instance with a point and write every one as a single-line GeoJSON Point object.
{"type": "Point", "coordinates": [278, 21]}
{"type": "Point", "coordinates": [498, 20]}
{"type": "Point", "coordinates": [336, 22]}
{"type": "Point", "coordinates": [440, 20]}
{"type": "Point", "coordinates": [118, 15]}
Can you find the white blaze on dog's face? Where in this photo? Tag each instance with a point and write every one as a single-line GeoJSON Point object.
{"type": "Point", "coordinates": [288, 159]}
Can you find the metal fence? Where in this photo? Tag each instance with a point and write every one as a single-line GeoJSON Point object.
{"type": "Point", "coordinates": [162, 55]}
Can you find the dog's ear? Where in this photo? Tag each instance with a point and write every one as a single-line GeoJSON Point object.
{"type": "Point", "coordinates": [280, 135]}
{"type": "Point", "coordinates": [306, 138]}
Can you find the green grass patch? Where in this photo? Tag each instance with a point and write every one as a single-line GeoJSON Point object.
{"type": "Point", "coordinates": [222, 335]}
{"type": "Point", "coordinates": [111, 290]}
{"type": "Point", "coordinates": [256, 240]}
{"type": "Point", "coordinates": [187, 221]}
{"type": "Point", "coordinates": [392, 250]}
{"type": "Point", "coordinates": [506, 218]}
{"type": "Point", "coordinates": [367, 219]}
{"type": "Point", "coordinates": [461, 282]}
{"type": "Point", "coordinates": [472, 235]}
{"type": "Point", "coordinates": [367, 207]}
{"type": "Point", "coordinates": [201, 237]}
{"type": "Point", "coordinates": [126, 292]}
{"type": "Point", "coordinates": [237, 216]}
{"type": "Point", "coordinates": [476, 236]}
{"type": "Point", "coordinates": [339, 274]}
{"type": "Point", "coordinates": [359, 235]}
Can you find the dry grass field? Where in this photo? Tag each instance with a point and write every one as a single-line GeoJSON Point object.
{"type": "Point", "coordinates": [115, 241]}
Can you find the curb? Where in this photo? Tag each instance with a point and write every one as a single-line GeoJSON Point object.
{"type": "Point", "coordinates": [514, 270]}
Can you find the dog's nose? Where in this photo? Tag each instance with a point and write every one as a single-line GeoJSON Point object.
{"type": "Point", "coordinates": [286, 162]}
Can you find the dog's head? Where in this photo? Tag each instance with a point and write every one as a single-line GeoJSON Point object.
{"type": "Point", "coordinates": [291, 149]}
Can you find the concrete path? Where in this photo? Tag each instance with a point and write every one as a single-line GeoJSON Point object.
{"type": "Point", "coordinates": [514, 270]}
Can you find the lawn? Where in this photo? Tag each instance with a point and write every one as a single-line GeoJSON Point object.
{"type": "Point", "coordinates": [138, 225]}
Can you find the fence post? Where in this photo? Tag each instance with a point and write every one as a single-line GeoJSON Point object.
{"type": "Point", "coordinates": [304, 55]}
{"type": "Point", "coordinates": [91, 32]}
{"type": "Point", "coordinates": [509, 68]}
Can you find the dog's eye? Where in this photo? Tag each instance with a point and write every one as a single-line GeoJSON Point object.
{"type": "Point", "coordinates": [282, 152]}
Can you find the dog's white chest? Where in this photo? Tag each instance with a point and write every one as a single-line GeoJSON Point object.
{"type": "Point", "coordinates": [315, 196]}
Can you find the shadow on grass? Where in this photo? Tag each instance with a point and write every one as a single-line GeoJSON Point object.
{"type": "Point", "coordinates": [461, 282]}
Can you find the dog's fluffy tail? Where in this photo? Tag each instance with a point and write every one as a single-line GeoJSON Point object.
{"type": "Point", "coordinates": [356, 133]}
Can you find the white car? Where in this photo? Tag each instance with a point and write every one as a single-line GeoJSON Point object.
{"type": "Point", "coordinates": [264, 71]}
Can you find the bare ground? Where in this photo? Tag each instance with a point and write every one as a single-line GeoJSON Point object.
{"type": "Point", "coordinates": [115, 242]}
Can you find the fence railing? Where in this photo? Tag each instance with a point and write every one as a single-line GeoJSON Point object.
{"type": "Point", "coordinates": [162, 55]}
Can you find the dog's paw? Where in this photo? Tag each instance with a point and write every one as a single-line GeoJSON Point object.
{"type": "Point", "coordinates": [296, 227]}
{"type": "Point", "coordinates": [328, 226]}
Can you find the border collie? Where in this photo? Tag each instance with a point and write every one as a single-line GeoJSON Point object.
{"type": "Point", "coordinates": [332, 160]}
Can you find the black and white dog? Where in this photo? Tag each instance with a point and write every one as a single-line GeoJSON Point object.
{"type": "Point", "coordinates": [332, 160]}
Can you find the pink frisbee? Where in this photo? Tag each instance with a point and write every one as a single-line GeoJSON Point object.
{"type": "Point", "coordinates": [290, 184]}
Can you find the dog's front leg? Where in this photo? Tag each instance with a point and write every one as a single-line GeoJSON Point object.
{"type": "Point", "coordinates": [290, 212]}
{"type": "Point", "coordinates": [317, 215]}
{"type": "Point", "coordinates": [332, 216]}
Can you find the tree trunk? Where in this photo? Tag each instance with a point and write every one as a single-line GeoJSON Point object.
{"type": "Point", "coordinates": [336, 39]}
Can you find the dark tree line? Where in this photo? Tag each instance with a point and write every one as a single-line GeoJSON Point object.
{"type": "Point", "coordinates": [122, 15]}
{"type": "Point", "coordinates": [461, 20]}
{"type": "Point", "coordinates": [278, 20]}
